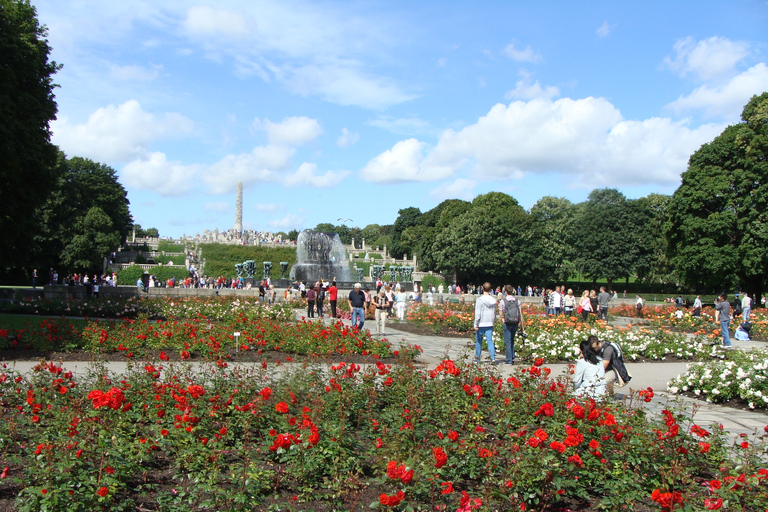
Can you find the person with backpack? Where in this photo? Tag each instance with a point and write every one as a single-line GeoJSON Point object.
{"type": "Point", "coordinates": [512, 316]}
{"type": "Point", "coordinates": [613, 362]}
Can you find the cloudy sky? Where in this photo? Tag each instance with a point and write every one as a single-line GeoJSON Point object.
{"type": "Point", "coordinates": [354, 110]}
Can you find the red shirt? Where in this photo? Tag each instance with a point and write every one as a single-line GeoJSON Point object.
{"type": "Point", "coordinates": [332, 292]}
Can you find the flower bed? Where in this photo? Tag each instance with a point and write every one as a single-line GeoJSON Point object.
{"type": "Point", "coordinates": [199, 337]}
{"type": "Point", "coordinates": [214, 308]}
{"type": "Point", "coordinates": [743, 376]}
{"type": "Point", "coordinates": [456, 438]}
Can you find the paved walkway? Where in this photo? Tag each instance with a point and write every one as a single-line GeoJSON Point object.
{"type": "Point", "coordinates": [655, 375]}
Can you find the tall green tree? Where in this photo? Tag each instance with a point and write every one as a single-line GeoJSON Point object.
{"type": "Point", "coordinates": [718, 218]}
{"type": "Point", "coordinates": [406, 218]}
{"type": "Point", "coordinates": [553, 219]}
{"type": "Point", "coordinates": [608, 236]}
{"type": "Point", "coordinates": [85, 217]}
{"type": "Point", "coordinates": [489, 242]}
{"type": "Point", "coordinates": [27, 105]}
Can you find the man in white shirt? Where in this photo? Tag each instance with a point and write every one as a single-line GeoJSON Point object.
{"type": "Point", "coordinates": [746, 306]}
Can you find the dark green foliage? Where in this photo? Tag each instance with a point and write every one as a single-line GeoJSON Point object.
{"type": "Point", "coordinates": [27, 105]}
{"type": "Point", "coordinates": [85, 218]}
{"type": "Point", "coordinates": [718, 217]}
{"type": "Point", "coordinates": [220, 259]}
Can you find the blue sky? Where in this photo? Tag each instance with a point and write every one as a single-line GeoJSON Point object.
{"type": "Point", "coordinates": [354, 110]}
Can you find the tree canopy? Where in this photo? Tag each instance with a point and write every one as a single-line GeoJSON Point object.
{"type": "Point", "coordinates": [717, 227]}
{"type": "Point", "coordinates": [85, 217]}
{"type": "Point", "coordinates": [27, 105]}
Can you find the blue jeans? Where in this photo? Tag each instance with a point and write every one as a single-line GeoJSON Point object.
{"type": "Point", "coordinates": [724, 324]}
{"type": "Point", "coordinates": [746, 313]}
{"type": "Point", "coordinates": [488, 333]}
{"type": "Point", "coordinates": [358, 314]}
{"type": "Point", "coordinates": [509, 341]}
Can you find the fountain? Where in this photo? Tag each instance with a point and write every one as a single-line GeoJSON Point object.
{"type": "Point", "coordinates": [319, 255]}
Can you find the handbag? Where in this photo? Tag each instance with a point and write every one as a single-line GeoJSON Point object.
{"type": "Point", "coordinates": [579, 309]}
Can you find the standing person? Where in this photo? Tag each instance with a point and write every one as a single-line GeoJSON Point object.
{"type": "Point", "coordinates": [430, 300]}
{"type": "Point", "coordinates": [746, 306]}
{"type": "Point", "coordinates": [485, 316]}
{"type": "Point", "coordinates": [639, 306]}
{"type": "Point", "coordinates": [400, 299]}
{"type": "Point", "coordinates": [593, 303]}
{"type": "Point", "coordinates": [357, 303]}
{"type": "Point", "coordinates": [586, 305]}
{"type": "Point", "coordinates": [391, 298]}
{"type": "Point", "coordinates": [557, 301]}
{"type": "Point", "coordinates": [319, 300]}
{"type": "Point", "coordinates": [697, 306]}
{"type": "Point", "coordinates": [333, 294]}
{"type": "Point", "coordinates": [34, 278]}
{"type": "Point", "coordinates": [603, 298]}
{"type": "Point", "coordinates": [311, 296]}
{"type": "Point", "coordinates": [367, 293]}
{"type": "Point", "coordinates": [589, 373]}
{"type": "Point", "coordinates": [569, 303]}
{"type": "Point", "coordinates": [512, 315]}
{"type": "Point", "coordinates": [723, 315]}
{"type": "Point", "coordinates": [382, 306]}
{"type": "Point", "coordinates": [262, 291]}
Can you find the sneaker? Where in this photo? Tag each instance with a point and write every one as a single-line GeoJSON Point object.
{"type": "Point", "coordinates": [494, 362]}
{"type": "Point", "coordinates": [509, 362]}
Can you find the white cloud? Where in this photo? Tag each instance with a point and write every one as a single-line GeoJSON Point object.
{"type": "Point", "coordinates": [135, 73]}
{"type": "Point", "coordinates": [205, 21]}
{"type": "Point", "coordinates": [219, 207]}
{"type": "Point", "coordinates": [586, 140]}
{"type": "Point", "coordinates": [459, 189]}
{"type": "Point", "coordinates": [604, 30]}
{"type": "Point", "coordinates": [525, 90]}
{"type": "Point", "coordinates": [312, 51]}
{"type": "Point", "coordinates": [403, 125]}
{"type": "Point", "coordinates": [526, 55]}
{"type": "Point", "coordinates": [118, 133]}
{"type": "Point", "coordinates": [156, 173]}
{"type": "Point", "coordinates": [269, 208]}
{"type": "Point", "coordinates": [263, 164]}
{"type": "Point", "coordinates": [306, 174]}
{"type": "Point", "coordinates": [293, 131]}
{"type": "Point", "coordinates": [710, 59]}
{"type": "Point", "coordinates": [342, 83]}
{"type": "Point", "coordinates": [728, 100]}
{"type": "Point", "coordinates": [347, 138]}
{"type": "Point", "coordinates": [402, 163]}
{"type": "Point", "coordinates": [290, 221]}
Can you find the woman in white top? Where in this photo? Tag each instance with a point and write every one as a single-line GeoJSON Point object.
{"type": "Point", "coordinates": [586, 305]}
{"type": "Point", "coordinates": [589, 374]}
{"type": "Point", "coordinates": [400, 304]}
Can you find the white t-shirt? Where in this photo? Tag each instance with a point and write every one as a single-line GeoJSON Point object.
{"type": "Point", "coordinates": [589, 379]}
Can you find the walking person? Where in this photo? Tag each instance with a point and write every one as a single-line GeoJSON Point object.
{"type": "Point", "coordinates": [512, 316]}
{"type": "Point", "coordinates": [333, 294]}
{"type": "Point", "coordinates": [746, 306]}
{"type": "Point", "coordinates": [319, 300]}
{"type": "Point", "coordinates": [723, 315]}
{"type": "Point", "coordinates": [357, 303]}
{"type": "Point", "coordinates": [639, 306]}
{"type": "Point", "coordinates": [697, 306]}
{"type": "Point", "coordinates": [569, 303]}
{"type": "Point", "coordinates": [485, 316]}
{"type": "Point", "coordinates": [382, 306]}
{"type": "Point", "coordinates": [603, 298]}
{"type": "Point", "coordinates": [585, 305]}
{"type": "Point", "coordinates": [400, 298]}
{"type": "Point", "coordinates": [311, 296]}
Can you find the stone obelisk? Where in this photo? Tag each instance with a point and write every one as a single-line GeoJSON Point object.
{"type": "Point", "coordinates": [239, 208]}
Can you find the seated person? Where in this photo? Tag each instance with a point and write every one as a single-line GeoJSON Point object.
{"type": "Point", "coordinates": [589, 374]}
{"type": "Point", "coordinates": [742, 331]}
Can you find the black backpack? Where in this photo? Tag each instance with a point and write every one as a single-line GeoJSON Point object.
{"type": "Point", "coordinates": [511, 311]}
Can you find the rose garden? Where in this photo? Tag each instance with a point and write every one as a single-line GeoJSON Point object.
{"type": "Point", "coordinates": [296, 415]}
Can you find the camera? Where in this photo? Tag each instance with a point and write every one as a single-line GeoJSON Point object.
{"type": "Point", "coordinates": [523, 335]}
